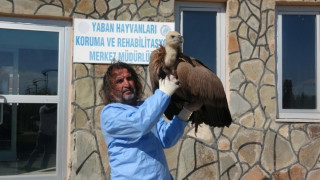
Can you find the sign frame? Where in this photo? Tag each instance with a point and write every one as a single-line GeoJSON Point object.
{"type": "Point", "coordinates": [108, 41]}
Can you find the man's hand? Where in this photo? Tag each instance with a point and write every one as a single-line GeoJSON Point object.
{"type": "Point", "coordinates": [188, 109]}
{"type": "Point", "coordinates": [169, 84]}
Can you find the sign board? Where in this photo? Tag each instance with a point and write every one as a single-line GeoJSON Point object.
{"type": "Point", "coordinates": [105, 41]}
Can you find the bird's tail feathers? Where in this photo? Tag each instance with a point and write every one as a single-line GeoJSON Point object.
{"type": "Point", "coordinates": [218, 116]}
{"type": "Point", "coordinates": [212, 116]}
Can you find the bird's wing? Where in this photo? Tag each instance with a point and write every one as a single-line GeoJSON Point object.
{"type": "Point", "coordinates": [198, 81]}
{"type": "Point", "coordinates": [155, 66]}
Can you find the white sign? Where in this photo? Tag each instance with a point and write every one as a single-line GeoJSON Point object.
{"type": "Point", "coordinates": [105, 41]}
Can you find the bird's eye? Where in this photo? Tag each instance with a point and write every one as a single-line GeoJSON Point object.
{"type": "Point", "coordinates": [172, 36]}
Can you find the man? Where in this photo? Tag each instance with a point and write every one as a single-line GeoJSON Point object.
{"type": "Point", "coordinates": [46, 136]}
{"type": "Point", "coordinates": [136, 132]}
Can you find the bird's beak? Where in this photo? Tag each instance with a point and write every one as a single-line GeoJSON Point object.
{"type": "Point", "coordinates": [181, 39]}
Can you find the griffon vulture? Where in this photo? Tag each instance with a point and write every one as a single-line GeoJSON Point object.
{"type": "Point", "coordinates": [197, 83]}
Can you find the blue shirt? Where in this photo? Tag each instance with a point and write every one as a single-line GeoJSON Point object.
{"type": "Point", "coordinates": [136, 135]}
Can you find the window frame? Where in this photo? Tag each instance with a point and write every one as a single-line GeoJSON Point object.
{"type": "Point", "coordinates": [296, 115]}
{"type": "Point", "coordinates": [220, 9]}
{"type": "Point", "coordinates": [62, 97]}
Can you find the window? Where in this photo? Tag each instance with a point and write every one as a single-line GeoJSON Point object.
{"type": "Point", "coordinates": [298, 62]}
{"type": "Point", "coordinates": [33, 98]}
{"type": "Point", "coordinates": [203, 28]}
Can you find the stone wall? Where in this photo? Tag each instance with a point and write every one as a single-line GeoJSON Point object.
{"type": "Point", "coordinates": [253, 147]}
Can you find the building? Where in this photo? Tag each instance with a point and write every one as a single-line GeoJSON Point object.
{"type": "Point", "coordinates": [266, 52]}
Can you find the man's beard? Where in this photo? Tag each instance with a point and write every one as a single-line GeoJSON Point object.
{"type": "Point", "coordinates": [126, 99]}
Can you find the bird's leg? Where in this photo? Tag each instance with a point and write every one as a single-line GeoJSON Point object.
{"type": "Point", "coordinates": [167, 71]}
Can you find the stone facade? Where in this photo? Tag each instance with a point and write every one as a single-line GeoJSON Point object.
{"type": "Point", "coordinates": [253, 147]}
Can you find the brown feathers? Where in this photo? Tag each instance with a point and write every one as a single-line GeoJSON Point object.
{"type": "Point", "coordinates": [197, 83]}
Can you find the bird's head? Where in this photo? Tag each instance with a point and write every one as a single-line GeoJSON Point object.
{"type": "Point", "coordinates": [174, 39]}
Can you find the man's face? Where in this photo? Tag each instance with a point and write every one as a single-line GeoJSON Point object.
{"type": "Point", "coordinates": [124, 90]}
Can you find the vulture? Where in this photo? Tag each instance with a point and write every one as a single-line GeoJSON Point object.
{"type": "Point", "coordinates": [197, 83]}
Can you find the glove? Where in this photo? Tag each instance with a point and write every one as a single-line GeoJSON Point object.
{"type": "Point", "coordinates": [188, 109]}
{"type": "Point", "coordinates": [184, 114]}
{"type": "Point", "coordinates": [169, 84]}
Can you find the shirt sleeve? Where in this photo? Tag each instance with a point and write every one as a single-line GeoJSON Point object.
{"type": "Point", "coordinates": [130, 123]}
{"type": "Point", "coordinates": [170, 132]}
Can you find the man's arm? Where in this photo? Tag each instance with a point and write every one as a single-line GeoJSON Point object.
{"type": "Point", "coordinates": [129, 122]}
{"type": "Point", "coordinates": [170, 132]}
